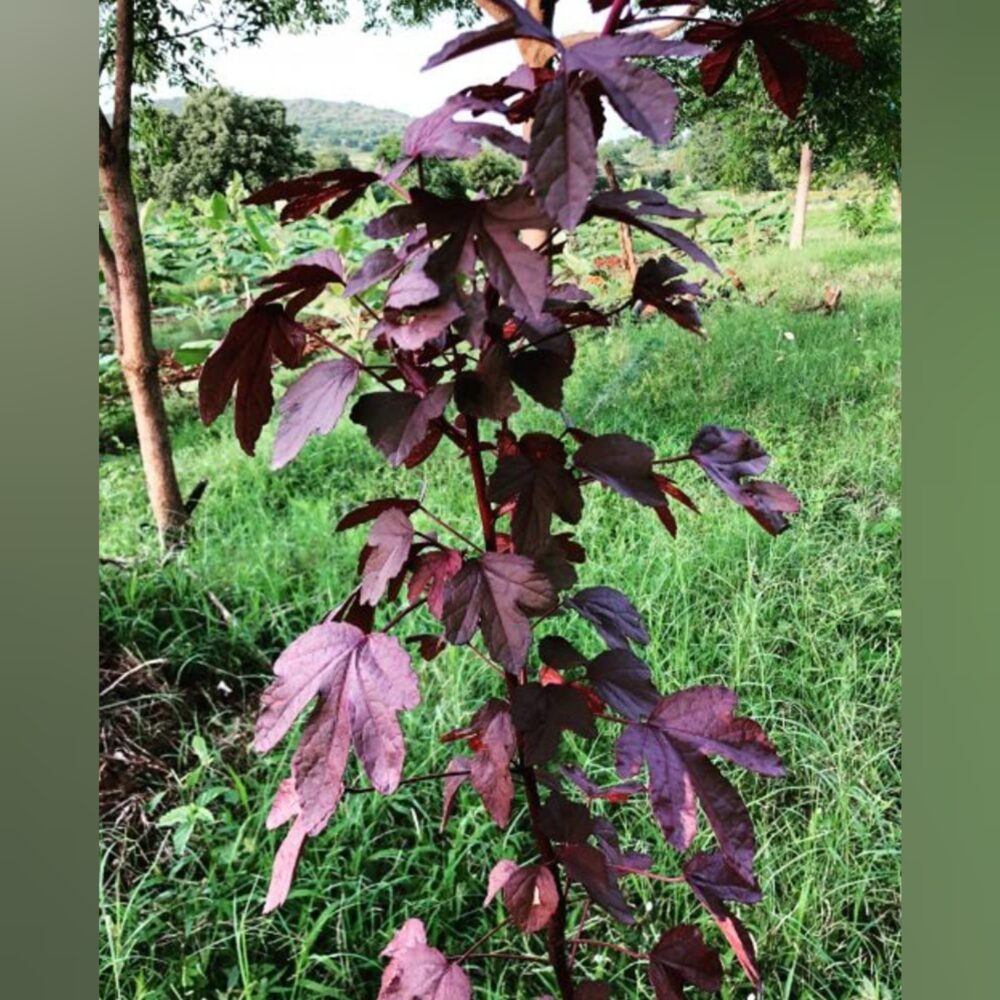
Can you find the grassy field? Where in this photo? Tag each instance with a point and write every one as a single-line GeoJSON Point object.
{"type": "Point", "coordinates": [805, 627]}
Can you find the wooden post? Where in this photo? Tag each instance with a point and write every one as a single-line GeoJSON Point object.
{"type": "Point", "coordinates": [798, 234]}
{"type": "Point", "coordinates": [624, 231]}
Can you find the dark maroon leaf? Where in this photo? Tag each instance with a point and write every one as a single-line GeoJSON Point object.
{"type": "Point", "coordinates": [541, 712]}
{"type": "Point", "coordinates": [562, 162]}
{"type": "Point", "coordinates": [702, 718]}
{"type": "Point", "coordinates": [538, 480]}
{"type": "Point", "coordinates": [623, 681]}
{"type": "Point", "coordinates": [518, 24]}
{"type": "Point", "coordinates": [588, 866]}
{"type": "Point", "coordinates": [305, 195]}
{"type": "Point", "coordinates": [783, 71]}
{"type": "Point", "coordinates": [555, 651]}
{"type": "Point", "coordinates": [433, 570]}
{"type": "Point", "coordinates": [312, 405]}
{"type": "Point", "coordinates": [564, 821]}
{"type": "Point", "coordinates": [418, 972]}
{"type": "Point", "coordinates": [681, 731]}
{"type": "Point", "coordinates": [487, 393]}
{"type": "Point", "coordinates": [541, 375]}
{"type": "Point", "coordinates": [623, 464]}
{"type": "Point", "coordinates": [390, 539]}
{"type": "Point", "coordinates": [681, 957]}
{"type": "Point", "coordinates": [397, 422]}
{"type": "Point", "coordinates": [362, 683]}
{"type": "Point", "coordinates": [655, 285]}
{"type": "Point", "coordinates": [612, 614]}
{"type": "Point", "coordinates": [430, 646]}
{"type": "Point", "coordinates": [530, 894]}
{"type": "Point", "coordinates": [591, 990]}
{"type": "Point", "coordinates": [497, 592]}
{"type": "Point", "coordinates": [727, 456]}
{"type": "Point", "coordinates": [372, 509]}
{"type": "Point", "coordinates": [770, 28]}
{"type": "Point", "coordinates": [243, 360]}
{"type": "Point", "coordinates": [702, 872]}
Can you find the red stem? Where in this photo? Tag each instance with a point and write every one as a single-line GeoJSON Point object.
{"type": "Point", "coordinates": [613, 16]}
{"type": "Point", "coordinates": [555, 932]}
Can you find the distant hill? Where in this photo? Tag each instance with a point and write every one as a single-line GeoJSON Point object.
{"type": "Point", "coordinates": [346, 125]}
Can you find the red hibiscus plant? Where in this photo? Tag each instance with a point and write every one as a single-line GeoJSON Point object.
{"type": "Point", "coordinates": [470, 319]}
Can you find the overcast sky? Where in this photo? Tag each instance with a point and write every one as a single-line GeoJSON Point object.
{"type": "Point", "coordinates": [344, 63]}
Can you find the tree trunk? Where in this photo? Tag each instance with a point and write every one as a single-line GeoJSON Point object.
{"type": "Point", "coordinates": [798, 235]}
{"type": "Point", "coordinates": [124, 264]}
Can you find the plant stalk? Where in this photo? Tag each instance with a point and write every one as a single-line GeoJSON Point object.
{"type": "Point", "coordinates": [555, 932]}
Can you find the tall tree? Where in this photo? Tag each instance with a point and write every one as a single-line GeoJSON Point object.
{"type": "Point", "coordinates": [141, 42]}
{"type": "Point", "coordinates": [217, 134]}
{"type": "Point", "coordinates": [848, 117]}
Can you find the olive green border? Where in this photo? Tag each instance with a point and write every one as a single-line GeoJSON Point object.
{"type": "Point", "coordinates": [48, 481]}
{"type": "Point", "coordinates": [951, 359]}
{"type": "Point", "coordinates": [950, 367]}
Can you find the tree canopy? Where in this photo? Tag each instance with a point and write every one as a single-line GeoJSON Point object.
{"type": "Point", "coordinates": [218, 134]}
{"type": "Point", "coordinates": [851, 119]}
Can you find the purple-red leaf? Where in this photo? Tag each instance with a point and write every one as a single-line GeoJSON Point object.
{"type": "Point", "coordinates": [565, 821]}
{"type": "Point", "coordinates": [490, 769]}
{"type": "Point", "coordinates": [770, 28]}
{"type": "Point", "coordinates": [497, 592]}
{"type": "Point", "coordinates": [243, 360]}
{"type": "Point", "coordinates": [783, 71]}
{"type": "Point", "coordinates": [530, 894]}
{"type": "Point", "coordinates": [655, 285]}
{"type": "Point", "coordinates": [304, 195]}
{"type": "Point", "coordinates": [312, 405]}
{"type": "Point", "coordinates": [643, 98]}
{"type": "Point", "coordinates": [612, 614]}
{"type": "Point", "coordinates": [538, 480]}
{"type": "Point", "coordinates": [390, 539]}
{"type": "Point", "coordinates": [372, 509]}
{"type": "Point", "coordinates": [623, 681]}
{"type": "Point", "coordinates": [681, 957]}
{"type": "Point", "coordinates": [712, 881]}
{"type": "Point", "coordinates": [555, 651]}
{"type": "Point", "coordinates": [487, 393]}
{"type": "Point", "coordinates": [397, 422]}
{"type": "Point", "coordinates": [518, 24]}
{"type": "Point", "coordinates": [541, 712]}
{"type": "Point", "coordinates": [433, 570]}
{"type": "Point", "coordinates": [419, 972]}
{"type": "Point", "coordinates": [623, 464]}
{"type": "Point", "coordinates": [562, 162]}
{"type": "Point", "coordinates": [588, 866]}
{"type": "Point", "coordinates": [674, 743]}
{"type": "Point", "coordinates": [727, 456]}
{"type": "Point", "coordinates": [362, 683]}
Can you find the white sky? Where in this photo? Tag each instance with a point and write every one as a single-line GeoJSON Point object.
{"type": "Point", "coordinates": [344, 63]}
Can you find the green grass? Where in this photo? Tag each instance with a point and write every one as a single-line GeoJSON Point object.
{"type": "Point", "coordinates": [805, 627]}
